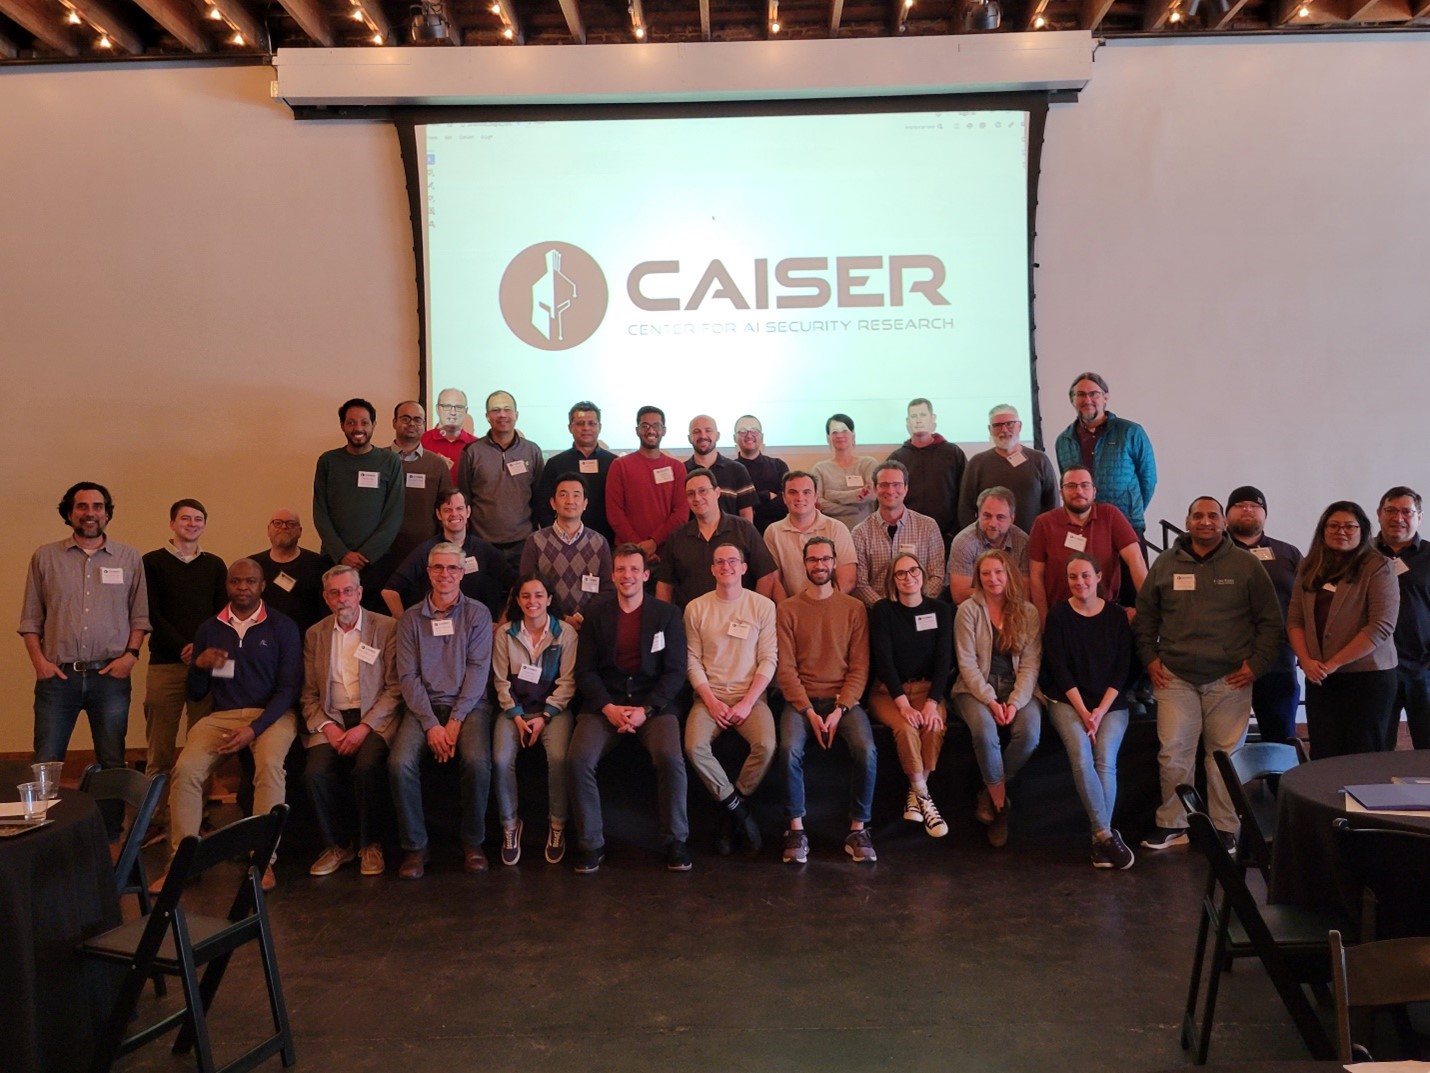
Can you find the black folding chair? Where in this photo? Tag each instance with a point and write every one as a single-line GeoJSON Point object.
{"type": "Point", "coordinates": [1391, 872]}
{"type": "Point", "coordinates": [1254, 762]}
{"type": "Point", "coordinates": [141, 793]}
{"type": "Point", "coordinates": [1375, 975]}
{"type": "Point", "coordinates": [1291, 943]}
{"type": "Point", "coordinates": [171, 941]}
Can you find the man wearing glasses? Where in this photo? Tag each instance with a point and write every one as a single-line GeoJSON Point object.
{"type": "Point", "coordinates": [935, 470]}
{"type": "Point", "coordinates": [500, 474]}
{"type": "Point", "coordinates": [1026, 473]}
{"type": "Point", "coordinates": [293, 576]}
{"type": "Point", "coordinates": [645, 502]}
{"type": "Point", "coordinates": [1081, 524]}
{"type": "Point", "coordinates": [893, 530]}
{"type": "Point", "coordinates": [1399, 540]}
{"type": "Point", "coordinates": [448, 437]}
{"type": "Point", "coordinates": [1117, 452]}
{"type": "Point", "coordinates": [425, 476]}
{"type": "Point", "coordinates": [766, 471]}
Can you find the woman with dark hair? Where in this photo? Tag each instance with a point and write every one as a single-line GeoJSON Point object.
{"type": "Point", "coordinates": [997, 640]}
{"type": "Point", "coordinates": [1340, 624]}
{"type": "Point", "coordinates": [845, 482]}
{"type": "Point", "coordinates": [1087, 653]}
{"type": "Point", "coordinates": [911, 650]}
{"type": "Point", "coordinates": [533, 673]}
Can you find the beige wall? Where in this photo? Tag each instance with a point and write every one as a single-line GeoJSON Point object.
{"type": "Point", "coordinates": [1233, 232]}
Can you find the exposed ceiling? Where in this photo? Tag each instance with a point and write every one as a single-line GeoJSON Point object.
{"type": "Point", "coordinates": [89, 30]}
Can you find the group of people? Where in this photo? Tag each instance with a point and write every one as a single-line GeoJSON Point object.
{"type": "Point", "coordinates": [474, 597]}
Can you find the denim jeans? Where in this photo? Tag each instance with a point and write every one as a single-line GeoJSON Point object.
{"type": "Point", "coordinates": [1217, 714]}
{"type": "Point", "coordinates": [58, 702]}
{"type": "Point", "coordinates": [855, 732]}
{"type": "Point", "coordinates": [325, 772]}
{"type": "Point", "coordinates": [999, 762]}
{"type": "Point", "coordinates": [1094, 766]}
{"type": "Point", "coordinates": [555, 740]}
{"type": "Point", "coordinates": [594, 738]}
{"type": "Point", "coordinates": [1412, 694]}
{"type": "Point", "coordinates": [410, 754]}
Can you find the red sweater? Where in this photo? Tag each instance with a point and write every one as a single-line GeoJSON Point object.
{"type": "Point", "coordinates": [640, 509]}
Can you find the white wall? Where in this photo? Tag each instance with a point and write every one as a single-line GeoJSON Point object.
{"type": "Point", "coordinates": [1233, 232]}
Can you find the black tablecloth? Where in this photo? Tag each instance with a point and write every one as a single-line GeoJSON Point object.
{"type": "Point", "coordinates": [56, 888]}
{"type": "Point", "coordinates": [1304, 868]}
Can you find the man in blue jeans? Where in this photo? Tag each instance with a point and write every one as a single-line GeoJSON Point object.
{"type": "Point", "coordinates": [85, 614]}
{"type": "Point", "coordinates": [823, 668]}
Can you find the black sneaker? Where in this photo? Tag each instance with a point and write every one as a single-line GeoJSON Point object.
{"type": "Point", "coordinates": [677, 857]}
{"type": "Point", "coordinates": [589, 860]}
{"type": "Point", "coordinates": [748, 832]}
{"type": "Point", "coordinates": [1228, 841]}
{"type": "Point", "coordinates": [1115, 852]}
{"type": "Point", "coordinates": [511, 843]}
{"type": "Point", "coordinates": [725, 837]}
{"type": "Point", "coordinates": [860, 846]}
{"type": "Point", "coordinates": [1165, 838]}
{"type": "Point", "coordinates": [796, 850]}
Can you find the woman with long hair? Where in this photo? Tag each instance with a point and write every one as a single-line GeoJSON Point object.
{"type": "Point", "coordinates": [997, 640]}
{"type": "Point", "coordinates": [1341, 625]}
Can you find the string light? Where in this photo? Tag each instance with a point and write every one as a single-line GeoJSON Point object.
{"type": "Point", "coordinates": [775, 27]}
{"type": "Point", "coordinates": [1303, 12]}
{"type": "Point", "coordinates": [104, 42]}
{"type": "Point", "coordinates": [73, 17]}
{"type": "Point", "coordinates": [377, 39]}
{"type": "Point", "coordinates": [236, 39]}
{"type": "Point", "coordinates": [640, 33]}
{"type": "Point", "coordinates": [1039, 22]}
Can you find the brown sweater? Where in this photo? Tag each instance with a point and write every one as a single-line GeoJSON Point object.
{"type": "Point", "coordinates": [823, 649]}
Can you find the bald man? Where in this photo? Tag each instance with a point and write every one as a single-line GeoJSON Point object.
{"type": "Point", "coordinates": [737, 489]}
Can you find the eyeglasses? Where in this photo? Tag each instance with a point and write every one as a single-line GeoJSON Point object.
{"type": "Point", "coordinates": [438, 568]}
{"type": "Point", "coordinates": [908, 572]}
{"type": "Point", "coordinates": [458, 406]}
{"type": "Point", "coordinates": [410, 419]}
{"type": "Point", "coordinates": [350, 590]}
{"type": "Point", "coordinates": [733, 560]}
{"type": "Point", "coordinates": [818, 560]}
{"type": "Point", "coordinates": [999, 425]}
{"type": "Point", "coordinates": [1399, 512]}
{"type": "Point", "coordinates": [1076, 484]}
{"type": "Point", "coordinates": [1342, 527]}
{"type": "Point", "coordinates": [747, 432]}
{"type": "Point", "coordinates": [650, 426]}
{"type": "Point", "coordinates": [1088, 395]}
{"type": "Point", "coordinates": [278, 523]}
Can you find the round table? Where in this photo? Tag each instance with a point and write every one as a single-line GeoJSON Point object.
{"type": "Point", "coordinates": [1304, 865]}
{"type": "Point", "coordinates": [56, 888]}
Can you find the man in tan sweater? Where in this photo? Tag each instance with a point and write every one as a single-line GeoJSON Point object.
{"type": "Point", "coordinates": [823, 668]}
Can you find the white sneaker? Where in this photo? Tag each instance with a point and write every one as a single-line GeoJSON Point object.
{"type": "Point", "coordinates": [912, 812]}
{"type": "Point", "coordinates": [933, 821]}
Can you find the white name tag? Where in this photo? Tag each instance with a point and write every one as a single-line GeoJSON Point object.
{"type": "Point", "coordinates": [367, 654]}
{"type": "Point", "coordinates": [469, 564]}
{"type": "Point", "coordinates": [417, 480]}
{"type": "Point", "coordinates": [925, 622]}
{"type": "Point", "coordinates": [657, 643]}
{"type": "Point", "coordinates": [367, 478]}
{"type": "Point", "coordinates": [1264, 554]}
{"type": "Point", "coordinates": [853, 480]}
{"type": "Point", "coordinates": [516, 467]}
{"type": "Point", "coordinates": [589, 465]}
{"type": "Point", "coordinates": [663, 475]}
{"type": "Point", "coordinates": [529, 672]}
{"type": "Point", "coordinates": [1076, 541]}
{"type": "Point", "coordinates": [441, 627]}
{"type": "Point", "coordinates": [111, 575]}
{"type": "Point", "coordinates": [590, 583]}
{"type": "Point", "coordinates": [285, 581]}
{"type": "Point", "coordinates": [1016, 459]}
{"type": "Point", "coordinates": [739, 629]}
{"type": "Point", "coordinates": [907, 549]}
{"type": "Point", "coordinates": [1329, 586]}
{"type": "Point", "coordinates": [225, 669]}
{"type": "Point", "coordinates": [1184, 582]}
{"type": "Point", "coordinates": [1399, 566]}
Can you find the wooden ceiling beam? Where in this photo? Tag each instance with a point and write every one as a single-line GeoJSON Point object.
{"type": "Point", "coordinates": [1420, 9]}
{"type": "Point", "coordinates": [1220, 20]}
{"type": "Point", "coordinates": [40, 24]}
{"type": "Point", "coordinates": [241, 19]}
{"type": "Point", "coordinates": [637, 13]}
{"type": "Point", "coordinates": [705, 19]}
{"type": "Point", "coordinates": [1093, 12]}
{"type": "Point", "coordinates": [311, 19]}
{"type": "Point", "coordinates": [99, 15]}
{"type": "Point", "coordinates": [1038, 7]}
{"type": "Point", "coordinates": [509, 20]}
{"type": "Point", "coordinates": [181, 21]}
{"type": "Point", "coordinates": [1379, 11]}
{"type": "Point", "coordinates": [1157, 15]}
{"type": "Point", "coordinates": [571, 11]}
{"type": "Point", "coordinates": [836, 15]}
{"type": "Point", "coordinates": [372, 11]}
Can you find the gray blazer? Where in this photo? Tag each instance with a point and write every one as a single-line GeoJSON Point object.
{"type": "Point", "coordinates": [377, 681]}
{"type": "Point", "coordinates": [1370, 602]}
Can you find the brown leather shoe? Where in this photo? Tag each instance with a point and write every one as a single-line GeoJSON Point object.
{"type": "Point", "coordinates": [475, 861]}
{"type": "Point", "coordinates": [414, 865]}
{"type": "Point", "coordinates": [269, 880]}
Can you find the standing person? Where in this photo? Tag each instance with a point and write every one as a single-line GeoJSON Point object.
{"type": "Point", "coordinates": [845, 481]}
{"type": "Point", "coordinates": [1400, 541]}
{"type": "Point", "coordinates": [893, 529]}
{"type": "Point", "coordinates": [766, 471]}
{"type": "Point", "coordinates": [534, 674]}
{"type": "Point", "coordinates": [911, 653]}
{"type": "Point", "coordinates": [787, 537]}
{"type": "Point", "coordinates": [1207, 625]}
{"type": "Point", "coordinates": [1026, 472]}
{"type": "Point", "coordinates": [1342, 629]}
{"type": "Point", "coordinates": [357, 500]}
{"type": "Point", "coordinates": [485, 575]}
{"type": "Point", "coordinates": [737, 489]}
{"type": "Point", "coordinates": [1087, 657]}
{"type": "Point", "coordinates": [588, 459]}
{"type": "Point", "coordinates": [500, 474]}
{"type": "Point", "coordinates": [425, 476]}
{"type": "Point", "coordinates": [685, 567]}
{"type": "Point", "coordinates": [644, 501]}
{"type": "Point", "coordinates": [1275, 695]}
{"type": "Point", "coordinates": [186, 585]}
{"type": "Point", "coordinates": [935, 468]}
{"type": "Point", "coordinates": [996, 637]}
{"type": "Point", "coordinates": [292, 575]}
{"type": "Point", "coordinates": [1114, 450]}
{"type": "Point", "coordinates": [1081, 524]}
{"type": "Point", "coordinates": [85, 614]}
{"type": "Point", "coordinates": [448, 437]}
{"type": "Point", "coordinates": [571, 555]}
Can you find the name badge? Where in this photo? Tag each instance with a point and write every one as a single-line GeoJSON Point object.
{"type": "Point", "coordinates": [367, 478]}
{"type": "Point", "coordinates": [111, 575]}
{"type": "Point", "coordinates": [285, 581]}
{"type": "Point", "coordinates": [1399, 566]}
{"type": "Point", "coordinates": [441, 627]}
{"type": "Point", "coordinates": [1016, 459]}
{"type": "Point", "coordinates": [516, 467]}
{"type": "Point", "coordinates": [663, 475]}
{"type": "Point", "coordinates": [529, 672]}
{"type": "Point", "coordinates": [469, 564]}
{"type": "Point", "coordinates": [417, 480]}
{"type": "Point", "coordinates": [907, 549]}
{"type": "Point", "coordinates": [853, 480]}
{"type": "Point", "coordinates": [367, 654]}
{"type": "Point", "coordinates": [1184, 582]}
{"type": "Point", "coordinates": [1076, 541]}
{"type": "Point", "coordinates": [225, 669]}
{"type": "Point", "coordinates": [925, 622]}
{"type": "Point", "coordinates": [590, 583]}
{"type": "Point", "coordinates": [1264, 554]}
{"type": "Point", "coordinates": [739, 629]}
{"type": "Point", "coordinates": [589, 465]}
{"type": "Point", "coordinates": [1329, 586]}
{"type": "Point", "coordinates": [657, 643]}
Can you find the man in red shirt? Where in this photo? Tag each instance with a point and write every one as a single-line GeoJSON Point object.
{"type": "Point", "coordinates": [449, 438]}
{"type": "Point", "coordinates": [645, 502]}
{"type": "Point", "coordinates": [1080, 524]}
